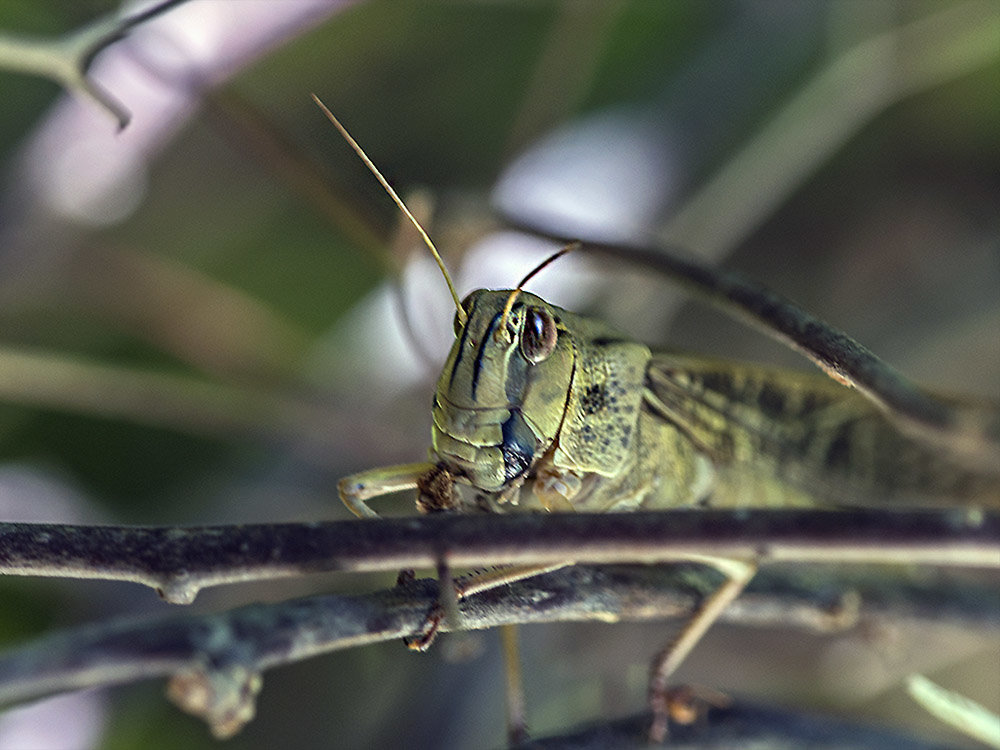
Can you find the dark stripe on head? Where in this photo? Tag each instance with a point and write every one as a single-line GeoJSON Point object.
{"type": "Point", "coordinates": [477, 366]}
{"type": "Point", "coordinates": [461, 346]}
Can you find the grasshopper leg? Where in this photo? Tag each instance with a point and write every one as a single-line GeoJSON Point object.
{"type": "Point", "coordinates": [738, 574]}
{"type": "Point", "coordinates": [357, 488]}
{"type": "Point", "coordinates": [460, 588]}
{"type": "Point", "coordinates": [517, 731]}
{"type": "Point", "coordinates": [517, 726]}
{"type": "Point", "coordinates": [476, 583]}
{"type": "Point", "coordinates": [501, 576]}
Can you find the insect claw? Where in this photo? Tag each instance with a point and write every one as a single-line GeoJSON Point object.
{"type": "Point", "coordinates": [423, 639]}
{"type": "Point", "coordinates": [683, 705]}
{"type": "Point", "coordinates": [405, 577]}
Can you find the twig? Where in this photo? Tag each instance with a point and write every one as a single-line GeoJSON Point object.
{"type": "Point", "coordinates": [245, 124]}
{"type": "Point", "coordinates": [191, 404]}
{"type": "Point", "coordinates": [66, 59]}
{"type": "Point", "coordinates": [739, 724]}
{"type": "Point", "coordinates": [955, 710]}
{"type": "Point", "coordinates": [216, 660]}
{"type": "Point", "coordinates": [179, 562]}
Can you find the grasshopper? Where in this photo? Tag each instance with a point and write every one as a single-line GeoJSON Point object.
{"type": "Point", "coordinates": [540, 409]}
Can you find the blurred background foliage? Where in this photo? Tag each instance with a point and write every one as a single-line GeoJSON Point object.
{"type": "Point", "coordinates": [234, 269]}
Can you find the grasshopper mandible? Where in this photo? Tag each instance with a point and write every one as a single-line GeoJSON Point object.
{"type": "Point", "coordinates": [540, 409]}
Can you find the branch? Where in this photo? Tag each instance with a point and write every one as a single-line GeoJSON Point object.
{"type": "Point", "coordinates": [66, 59]}
{"type": "Point", "coordinates": [215, 661]}
{"type": "Point", "coordinates": [740, 724]}
{"type": "Point", "coordinates": [179, 562]}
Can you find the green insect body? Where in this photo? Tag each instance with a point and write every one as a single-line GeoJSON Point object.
{"type": "Point", "coordinates": [561, 412]}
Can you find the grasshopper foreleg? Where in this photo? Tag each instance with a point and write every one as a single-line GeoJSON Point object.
{"type": "Point", "coordinates": [357, 488]}
{"type": "Point", "coordinates": [436, 492]}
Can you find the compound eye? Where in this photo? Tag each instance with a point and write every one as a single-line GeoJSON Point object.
{"type": "Point", "coordinates": [539, 337]}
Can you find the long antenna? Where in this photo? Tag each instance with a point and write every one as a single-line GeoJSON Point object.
{"type": "Point", "coordinates": [462, 317]}
{"type": "Point", "coordinates": [531, 274]}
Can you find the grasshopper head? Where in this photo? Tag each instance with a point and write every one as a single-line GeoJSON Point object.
{"type": "Point", "coordinates": [501, 398]}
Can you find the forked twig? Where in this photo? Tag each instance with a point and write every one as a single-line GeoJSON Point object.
{"type": "Point", "coordinates": [66, 59]}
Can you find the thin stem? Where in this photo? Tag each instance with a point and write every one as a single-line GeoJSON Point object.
{"type": "Point", "coordinates": [825, 113]}
{"type": "Point", "coordinates": [189, 404]}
